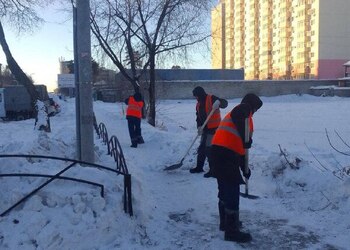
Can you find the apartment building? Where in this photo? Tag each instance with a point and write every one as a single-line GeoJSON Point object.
{"type": "Point", "coordinates": [218, 37]}
{"type": "Point", "coordinates": [282, 39]}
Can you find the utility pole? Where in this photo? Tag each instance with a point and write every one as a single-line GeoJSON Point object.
{"type": "Point", "coordinates": [85, 133]}
{"type": "Point", "coordinates": [76, 80]}
{"type": "Point", "coordinates": [0, 75]}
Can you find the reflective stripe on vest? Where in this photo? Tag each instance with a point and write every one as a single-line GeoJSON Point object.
{"type": "Point", "coordinates": [134, 108]}
{"type": "Point", "coordinates": [227, 136]}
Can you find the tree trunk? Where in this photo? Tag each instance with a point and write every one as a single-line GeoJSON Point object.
{"type": "Point", "coordinates": [23, 79]}
{"type": "Point", "coordinates": [151, 91]}
{"type": "Point", "coordinates": [16, 70]}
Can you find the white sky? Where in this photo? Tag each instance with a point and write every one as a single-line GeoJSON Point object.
{"type": "Point", "coordinates": [38, 53]}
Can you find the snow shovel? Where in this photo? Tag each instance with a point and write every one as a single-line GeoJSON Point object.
{"type": "Point", "coordinates": [246, 162]}
{"type": "Point", "coordinates": [178, 165]}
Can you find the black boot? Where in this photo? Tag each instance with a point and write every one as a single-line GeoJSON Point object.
{"type": "Point", "coordinates": [221, 215]}
{"type": "Point", "coordinates": [232, 232]}
{"type": "Point", "coordinates": [133, 143]}
{"type": "Point", "coordinates": [208, 174]}
{"type": "Point", "coordinates": [140, 140]}
{"type": "Point", "coordinates": [196, 170]}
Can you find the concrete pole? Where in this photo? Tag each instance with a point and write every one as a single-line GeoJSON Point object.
{"type": "Point", "coordinates": [76, 80]}
{"type": "Point", "coordinates": [85, 81]}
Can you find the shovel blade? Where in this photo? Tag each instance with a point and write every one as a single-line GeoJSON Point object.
{"type": "Point", "coordinates": [249, 196]}
{"type": "Point", "coordinates": [173, 167]}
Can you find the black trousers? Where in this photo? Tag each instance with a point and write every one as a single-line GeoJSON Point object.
{"type": "Point", "coordinates": [226, 167]}
{"type": "Point", "coordinates": [134, 125]}
{"type": "Point", "coordinates": [229, 194]}
{"type": "Point", "coordinates": [203, 150]}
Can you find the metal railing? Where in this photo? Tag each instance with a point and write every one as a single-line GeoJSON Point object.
{"type": "Point", "coordinates": [59, 177]}
{"type": "Point", "coordinates": [114, 148]}
{"type": "Point", "coordinates": [127, 179]}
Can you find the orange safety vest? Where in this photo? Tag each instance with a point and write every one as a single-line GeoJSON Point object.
{"type": "Point", "coordinates": [228, 136]}
{"type": "Point", "coordinates": [134, 108]}
{"type": "Point", "coordinates": [214, 120]}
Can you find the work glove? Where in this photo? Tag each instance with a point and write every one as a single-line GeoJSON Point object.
{"type": "Point", "coordinates": [216, 104]}
{"type": "Point", "coordinates": [247, 175]}
{"type": "Point", "coordinates": [248, 144]}
{"type": "Point", "coordinates": [199, 131]}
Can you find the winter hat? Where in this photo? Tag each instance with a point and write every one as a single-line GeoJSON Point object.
{"type": "Point", "coordinates": [137, 96]}
{"type": "Point", "coordinates": [253, 101]}
{"type": "Point", "coordinates": [199, 92]}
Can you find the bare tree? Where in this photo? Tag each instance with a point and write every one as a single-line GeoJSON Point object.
{"type": "Point", "coordinates": [112, 24]}
{"type": "Point", "coordinates": [20, 15]}
{"type": "Point", "coordinates": [150, 28]}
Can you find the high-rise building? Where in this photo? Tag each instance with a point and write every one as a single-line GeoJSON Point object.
{"type": "Point", "coordinates": [218, 37]}
{"type": "Point", "coordinates": [282, 39]}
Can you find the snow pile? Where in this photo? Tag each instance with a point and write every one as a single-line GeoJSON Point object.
{"type": "Point", "coordinates": [303, 184]}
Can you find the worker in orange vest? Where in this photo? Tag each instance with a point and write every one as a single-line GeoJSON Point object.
{"type": "Point", "coordinates": [133, 115]}
{"type": "Point", "coordinates": [204, 105]}
{"type": "Point", "coordinates": [228, 152]}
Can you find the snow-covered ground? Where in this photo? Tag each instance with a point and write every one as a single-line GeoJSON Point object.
{"type": "Point", "coordinates": [304, 203]}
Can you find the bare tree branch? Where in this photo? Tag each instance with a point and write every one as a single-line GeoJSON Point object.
{"type": "Point", "coordinates": [342, 139]}
{"type": "Point", "coordinates": [21, 14]}
{"type": "Point", "coordinates": [144, 29]}
{"type": "Point", "coordinates": [291, 165]}
{"type": "Point", "coordinates": [330, 143]}
{"type": "Point", "coordinates": [327, 205]}
{"type": "Point", "coordinates": [316, 158]}
{"type": "Point", "coordinates": [107, 49]}
{"type": "Point", "coordinates": [341, 167]}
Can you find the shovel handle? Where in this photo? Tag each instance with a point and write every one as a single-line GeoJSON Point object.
{"type": "Point", "coordinates": [189, 148]}
{"type": "Point", "coordinates": [194, 140]}
{"type": "Point", "coordinates": [246, 167]}
{"type": "Point", "coordinates": [246, 161]}
{"type": "Point", "coordinates": [202, 127]}
{"type": "Point", "coordinates": [208, 117]}
{"type": "Point", "coordinates": [246, 157]}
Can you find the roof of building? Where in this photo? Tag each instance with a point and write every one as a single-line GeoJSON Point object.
{"type": "Point", "coordinates": [344, 78]}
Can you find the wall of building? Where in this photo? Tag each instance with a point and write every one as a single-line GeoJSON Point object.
{"type": "Point", "coordinates": [228, 89]}
{"type": "Point", "coordinates": [234, 89]}
{"type": "Point", "coordinates": [330, 69]}
{"type": "Point", "coordinates": [218, 37]}
{"type": "Point", "coordinates": [334, 29]}
{"type": "Point", "coordinates": [228, 21]}
{"type": "Point", "coordinates": [334, 37]}
{"type": "Point", "coordinates": [293, 39]}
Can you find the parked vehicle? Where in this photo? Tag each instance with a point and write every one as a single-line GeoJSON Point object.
{"type": "Point", "coordinates": [15, 102]}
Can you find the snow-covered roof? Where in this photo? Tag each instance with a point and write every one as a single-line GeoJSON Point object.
{"type": "Point", "coordinates": [347, 63]}
{"type": "Point", "coordinates": [344, 78]}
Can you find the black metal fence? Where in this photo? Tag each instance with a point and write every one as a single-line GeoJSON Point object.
{"type": "Point", "coordinates": [127, 179]}
{"type": "Point", "coordinates": [113, 148]}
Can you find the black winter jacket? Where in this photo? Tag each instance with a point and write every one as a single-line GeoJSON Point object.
{"type": "Point", "coordinates": [227, 165]}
